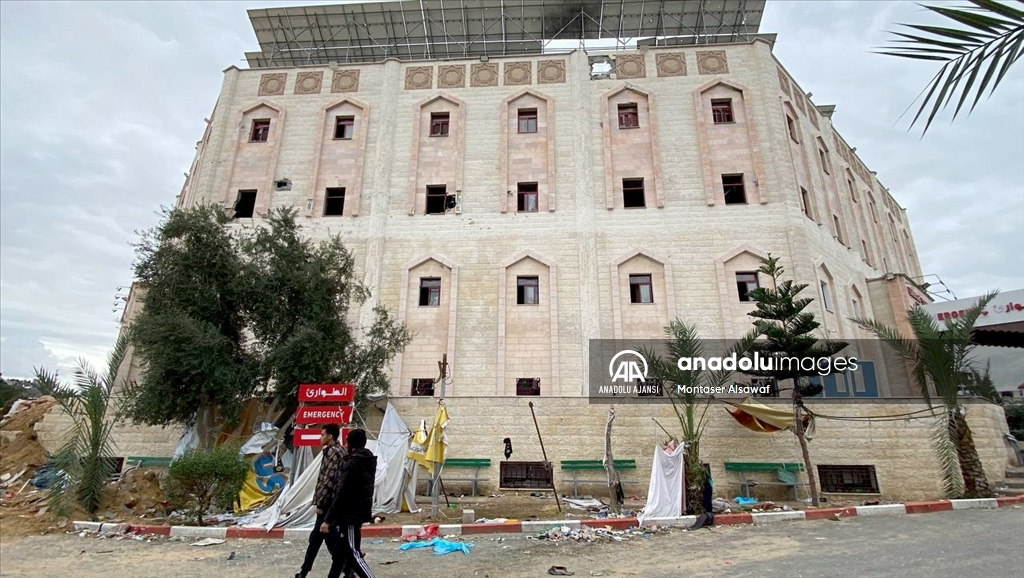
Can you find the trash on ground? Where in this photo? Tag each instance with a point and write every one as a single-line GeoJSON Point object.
{"type": "Point", "coordinates": [441, 547]}
{"type": "Point", "coordinates": [560, 571]}
{"type": "Point", "coordinates": [208, 542]}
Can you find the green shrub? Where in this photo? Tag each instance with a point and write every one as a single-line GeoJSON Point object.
{"type": "Point", "coordinates": [199, 479]}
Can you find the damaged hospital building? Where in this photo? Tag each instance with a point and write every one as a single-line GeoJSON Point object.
{"type": "Point", "coordinates": [511, 192]}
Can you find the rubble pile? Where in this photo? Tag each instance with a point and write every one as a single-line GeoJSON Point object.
{"type": "Point", "coordinates": [590, 535]}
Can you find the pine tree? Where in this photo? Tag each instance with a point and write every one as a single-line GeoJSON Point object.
{"type": "Point", "coordinates": [788, 331]}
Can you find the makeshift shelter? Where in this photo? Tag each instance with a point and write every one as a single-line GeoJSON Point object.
{"type": "Point", "coordinates": [666, 492]}
{"type": "Point", "coordinates": [263, 480]}
{"type": "Point", "coordinates": [394, 485]}
{"type": "Point", "coordinates": [396, 492]}
{"type": "Point", "coordinates": [764, 419]}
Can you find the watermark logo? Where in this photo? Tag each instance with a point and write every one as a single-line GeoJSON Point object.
{"type": "Point", "coordinates": [628, 370]}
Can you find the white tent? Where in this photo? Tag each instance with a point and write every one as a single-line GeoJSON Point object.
{"type": "Point", "coordinates": [665, 493]}
{"type": "Point", "coordinates": [399, 483]}
{"type": "Point", "coordinates": [294, 507]}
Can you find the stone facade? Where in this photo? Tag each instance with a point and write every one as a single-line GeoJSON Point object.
{"type": "Point", "coordinates": [806, 197]}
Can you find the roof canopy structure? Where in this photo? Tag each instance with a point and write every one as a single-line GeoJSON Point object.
{"type": "Point", "coordinates": [450, 29]}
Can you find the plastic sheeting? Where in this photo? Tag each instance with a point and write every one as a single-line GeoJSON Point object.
{"type": "Point", "coordinates": [665, 493]}
{"type": "Point", "coordinates": [255, 443]}
{"type": "Point", "coordinates": [398, 485]}
{"type": "Point", "coordinates": [294, 506]}
{"type": "Point", "coordinates": [189, 440]}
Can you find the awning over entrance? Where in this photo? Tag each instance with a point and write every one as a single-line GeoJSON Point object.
{"type": "Point", "coordinates": [1001, 323]}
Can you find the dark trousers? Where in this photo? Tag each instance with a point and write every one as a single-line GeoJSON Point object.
{"type": "Point", "coordinates": [343, 543]}
{"type": "Point", "coordinates": [316, 539]}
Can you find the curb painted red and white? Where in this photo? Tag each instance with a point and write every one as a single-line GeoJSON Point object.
{"type": "Point", "coordinates": [534, 527]}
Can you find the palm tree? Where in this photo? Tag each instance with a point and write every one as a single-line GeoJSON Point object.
{"type": "Point", "coordinates": [690, 409]}
{"type": "Point", "coordinates": [940, 359]}
{"type": "Point", "coordinates": [85, 461]}
{"type": "Point", "coordinates": [988, 40]}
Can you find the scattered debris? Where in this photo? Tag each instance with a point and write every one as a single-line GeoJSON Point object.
{"type": "Point", "coordinates": [560, 571]}
{"type": "Point", "coordinates": [588, 534]}
{"type": "Point", "coordinates": [209, 542]}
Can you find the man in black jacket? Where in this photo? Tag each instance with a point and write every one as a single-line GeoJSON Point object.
{"type": "Point", "coordinates": [327, 482]}
{"type": "Point", "coordinates": [351, 508]}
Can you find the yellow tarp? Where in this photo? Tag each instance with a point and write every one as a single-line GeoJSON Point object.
{"type": "Point", "coordinates": [261, 482]}
{"type": "Point", "coordinates": [759, 417]}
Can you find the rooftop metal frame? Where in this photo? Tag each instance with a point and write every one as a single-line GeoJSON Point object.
{"type": "Point", "coordinates": [453, 29]}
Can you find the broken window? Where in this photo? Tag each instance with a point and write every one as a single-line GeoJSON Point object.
{"type": "Point", "coordinates": [436, 199]}
{"type": "Point", "coordinates": [334, 202]}
{"type": "Point", "coordinates": [260, 130]}
{"type": "Point", "coordinates": [528, 386]}
{"type": "Point", "coordinates": [826, 295]}
{"type": "Point", "coordinates": [527, 199]}
{"type": "Point", "coordinates": [791, 127]}
{"type": "Point", "coordinates": [344, 127]}
{"type": "Point", "coordinates": [732, 186]}
{"type": "Point", "coordinates": [439, 124]}
{"type": "Point", "coordinates": [640, 289]}
{"type": "Point", "coordinates": [430, 291]}
{"type": "Point", "coordinates": [629, 117]}
{"type": "Point", "coordinates": [721, 110]}
{"type": "Point", "coordinates": [805, 203]}
{"type": "Point", "coordinates": [864, 249]}
{"type": "Point", "coordinates": [745, 283]}
{"type": "Point", "coordinates": [423, 387]}
{"type": "Point", "coordinates": [527, 120]}
{"type": "Point", "coordinates": [839, 230]}
{"type": "Point", "coordinates": [633, 193]}
{"type": "Point", "coordinates": [527, 291]}
{"type": "Point", "coordinates": [601, 67]}
{"type": "Point", "coordinates": [245, 204]}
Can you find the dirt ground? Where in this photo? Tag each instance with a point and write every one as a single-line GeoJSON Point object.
{"type": "Point", "coordinates": [958, 543]}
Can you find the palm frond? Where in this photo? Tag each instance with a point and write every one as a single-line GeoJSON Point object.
{"type": "Point", "coordinates": [944, 443]}
{"type": "Point", "coordinates": [990, 38]}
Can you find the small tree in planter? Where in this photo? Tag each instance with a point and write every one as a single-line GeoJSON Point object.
{"type": "Point", "coordinates": [200, 479]}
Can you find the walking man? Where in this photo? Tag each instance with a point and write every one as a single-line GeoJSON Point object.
{"type": "Point", "coordinates": [327, 484]}
{"type": "Point", "coordinates": [351, 508]}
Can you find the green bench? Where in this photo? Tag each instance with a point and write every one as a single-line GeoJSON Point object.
{"type": "Point", "coordinates": [146, 462]}
{"type": "Point", "coordinates": [577, 466]}
{"type": "Point", "coordinates": [475, 463]}
{"type": "Point", "coordinates": [785, 475]}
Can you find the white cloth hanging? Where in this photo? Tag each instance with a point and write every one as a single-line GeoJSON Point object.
{"type": "Point", "coordinates": [665, 493]}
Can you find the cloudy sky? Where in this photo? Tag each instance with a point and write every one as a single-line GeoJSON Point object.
{"type": "Point", "coordinates": [101, 105]}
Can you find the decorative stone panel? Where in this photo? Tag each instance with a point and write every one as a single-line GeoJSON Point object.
{"type": "Point", "coordinates": [345, 81]}
{"type": "Point", "coordinates": [453, 76]}
{"type": "Point", "coordinates": [272, 84]}
{"type": "Point", "coordinates": [483, 74]}
{"type": "Point", "coordinates": [630, 66]}
{"type": "Point", "coordinates": [550, 71]}
{"type": "Point", "coordinates": [671, 64]}
{"type": "Point", "coordinates": [813, 115]}
{"type": "Point", "coordinates": [799, 98]}
{"type": "Point", "coordinates": [784, 83]}
{"type": "Point", "coordinates": [419, 77]}
{"type": "Point", "coordinates": [308, 82]}
{"type": "Point", "coordinates": [517, 73]}
{"type": "Point", "coordinates": [712, 62]}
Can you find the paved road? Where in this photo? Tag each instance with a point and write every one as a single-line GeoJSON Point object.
{"type": "Point", "coordinates": [962, 543]}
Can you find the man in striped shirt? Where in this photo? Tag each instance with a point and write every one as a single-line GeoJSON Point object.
{"type": "Point", "coordinates": [327, 484]}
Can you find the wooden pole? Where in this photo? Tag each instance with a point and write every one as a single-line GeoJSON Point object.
{"type": "Point", "coordinates": [545, 454]}
{"type": "Point", "coordinates": [614, 486]}
{"type": "Point", "coordinates": [442, 367]}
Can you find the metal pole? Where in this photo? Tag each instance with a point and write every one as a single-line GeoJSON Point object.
{"type": "Point", "coordinates": [545, 454]}
{"type": "Point", "coordinates": [442, 367]}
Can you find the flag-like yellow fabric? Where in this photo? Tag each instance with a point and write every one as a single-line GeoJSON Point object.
{"type": "Point", "coordinates": [438, 442]}
{"type": "Point", "coordinates": [418, 447]}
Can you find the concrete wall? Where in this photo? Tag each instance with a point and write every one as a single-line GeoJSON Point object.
{"type": "Point", "coordinates": [900, 451]}
{"type": "Point", "coordinates": [129, 440]}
